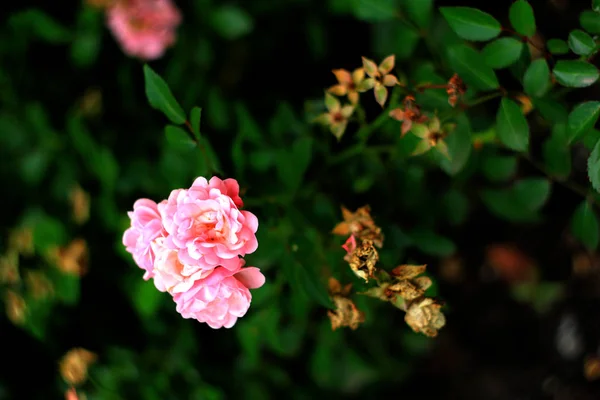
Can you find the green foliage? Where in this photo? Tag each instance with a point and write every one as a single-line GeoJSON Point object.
{"type": "Point", "coordinates": [160, 97]}
{"type": "Point", "coordinates": [581, 43]}
{"type": "Point", "coordinates": [583, 118]}
{"type": "Point", "coordinates": [502, 52]}
{"type": "Point", "coordinates": [557, 46]}
{"type": "Point", "coordinates": [471, 23]}
{"type": "Point", "coordinates": [472, 68]}
{"type": "Point", "coordinates": [584, 225]}
{"type": "Point", "coordinates": [575, 73]}
{"type": "Point", "coordinates": [590, 21]}
{"type": "Point", "coordinates": [503, 129]}
{"type": "Point", "coordinates": [536, 80]}
{"type": "Point", "coordinates": [522, 18]}
{"type": "Point", "coordinates": [513, 130]}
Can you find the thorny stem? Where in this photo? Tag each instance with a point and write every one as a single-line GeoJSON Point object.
{"type": "Point", "coordinates": [200, 146]}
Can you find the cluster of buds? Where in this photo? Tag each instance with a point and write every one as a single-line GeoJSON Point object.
{"type": "Point", "coordinates": [404, 286]}
{"type": "Point", "coordinates": [379, 78]}
{"type": "Point", "coordinates": [350, 84]}
{"type": "Point", "coordinates": [73, 367]}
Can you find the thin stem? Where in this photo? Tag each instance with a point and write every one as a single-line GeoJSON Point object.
{"type": "Point", "coordinates": [528, 40]}
{"type": "Point", "coordinates": [200, 147]}
{"type": "Point", "coordinates": [574, 187]}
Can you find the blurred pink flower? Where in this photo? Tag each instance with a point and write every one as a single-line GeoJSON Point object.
{"type": "Point", "coordinates": [221, 298]}
{"type": "Point", "coordinates": [207, 227]}
{"type": "Point", "coordinates": [170, 275]}
{"type": "Point", "coordinates": [146, 226]}
{"type": "Point", "coordinates": [144, 28]}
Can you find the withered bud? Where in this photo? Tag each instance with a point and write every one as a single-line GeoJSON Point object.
{"type": "Point", "coordinates": [346, 314]}
{"type": "Point", "coordinates": [335, 287]}
{"type": "Point", "coordinates": [74, 365]}
{"type": "Point", "coordinates": [360, 224]}
{"type": "Point", "coordinates": [408, 271]}
{"type": "Point", "coordinates": [71, 259]}
{"type": "Point", "coordinates": [38, 284]}
{"type": "Point", "coordinates": [9, 268]}
{"type": "Point", "coordinates": [591, 368]}
{"type": "Point", "coordinates": [80, 204]}
{"type": "Point", "coordinates": [363, 260]}
{"type": "Point", "coordinates": [21, 240]}
{"type": "Point", "coordinates": [16, 309]}
{"type": "Point", "coordinates": [456, 89]}
{"type": "Point", "coordinates": [424, 315]}
{"type": "Point", "coordinates": [408, 289]}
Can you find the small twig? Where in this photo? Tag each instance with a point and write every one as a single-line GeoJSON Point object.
{"type": "Point", "coordinates": [574, 187]}
{"type": "Point", "coordinates": [200, 146]}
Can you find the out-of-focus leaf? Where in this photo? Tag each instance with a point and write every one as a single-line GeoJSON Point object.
{"type": "Point", "coordinates": [160, 97]}
{"type": "Point", "coordinates": [584, 225]}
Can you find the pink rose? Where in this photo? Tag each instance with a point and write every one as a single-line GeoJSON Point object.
{"type": "Point", "coordinates": [144, 28]}
{"type": "Point", "coordinates": [146, 226]}
{"type": "Point", "coordinates": [207, 227]}
{"type": "Point", "coordinates": [221, 298]}
{"type": "Point", "coordinates": [170, 275]}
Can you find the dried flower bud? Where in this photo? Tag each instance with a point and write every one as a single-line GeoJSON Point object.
{"type": "Point", "coordinates": [409, 115]}
{"type": "Point", "coordinates": [90, 104]}
{"type": "Point", "coordinates": [456, 89]}
{"type": "Point", "coordinates": [71, 259]}
{"type": "Point", "coordinates": [424, 315]}
{"type": "Point", "coordinates": [591, 368]}
{"type": "Point", "coordinates": [345, 314]}
{"type": "Point", "coordinates": [80, 204]}
{"type": "Point", "coordinates": [21, 240]}
{"type": "Point", "coordinates": [360, 224]}
{"type": "Point", "coordinates": [408, 271]}
{"type": "Point", "coordinates": [16, 309]}
{"type": "Point", "coordinates": [9, 268]}
{"type": "Point", "coordinates": [74, 365]}
{"type": "Point", "coordinates": [363, 260]}
{"type": "Point", "coordinates": [38, 284]}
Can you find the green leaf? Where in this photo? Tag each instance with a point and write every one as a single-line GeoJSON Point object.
{"type": "Point", "coordinates": [522, 18]}
{"type": "Point", "coordinates": [596, 5]}
{"type": "Point", "coordinates": [502, 52]}
{"type": "Point", "coordinates": [41, 25]}
{"type": "Point", "coordinates": [419, 11]}
{"type": "Point", "coordinates": [590, 21]}
{"type": "Point", "coordinates": [583, 118]}
{"type": "Point", "coordinates": [499, 168]}
{"type": "Point", "coordinates": [146, 298]}
{"type": "Point", "coordinates": [511, 125]}
{"type": "Point", "coordinates": [456, 205]}
{"type": "Point", "coordinates": [178, 138]}
{"type": "Point", "coordinates": [160, 97]}
{"type": "Point", "coordinates": [532, 193]}
{"type": "Point", "coordinates": [591, 138]}
{"type": "Point", "coordinates": [469, 64]}
{"type": "Point", "coordinates": [557, 153]}
{"type": "Point", "coordinates": [195, 119]}
{"type": "Point", "coordinates": [575, 73]}
{"type": "Point", "coordinates": [581, 43]}
{"type": "Point", "coordinates": [431, 243]}
{"type": "Point", "coordinates": [536, 80]}
{"type": "Point", "coordinates": [374, 10]}
{"type": "Point", "coordinates": [291, 166]}
{"type": "Point", "coordinates": [557, 46]}
{"type": "Point", "coordinates": [471, 23]}
{"type": "Point", "coordinates": [584, 225]}
{"type": "Point", "coordinates": [232, 22]}
{"type": "Point", "coordinates": [519, 203]}
{"type": "Point", "coordinates": [459, 147]}
{"type": "Point", "coordinates": [594, 167]}
{"type": "Point", "coordinates": [551, 110]}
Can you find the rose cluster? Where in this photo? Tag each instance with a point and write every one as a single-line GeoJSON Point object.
{"type": "Point", "coordinates": [192, 245]}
